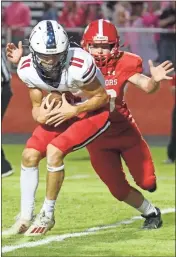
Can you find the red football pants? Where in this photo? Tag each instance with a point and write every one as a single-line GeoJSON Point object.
{"type": "Point", "coordinates": [71, 135]}
{"type": "Point", "coordinates": [106, 152]}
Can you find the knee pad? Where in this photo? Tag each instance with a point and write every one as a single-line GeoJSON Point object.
{"type": "Point", "coordinates": [55, 169]}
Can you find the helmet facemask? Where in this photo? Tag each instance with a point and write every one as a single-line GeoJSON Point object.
{"type": "Point", "coordinates": [50, 66]}
{"type": "Point", "coordinates": [104, 61]}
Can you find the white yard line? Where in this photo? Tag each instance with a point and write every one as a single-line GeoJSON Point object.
{"type": "Point", "coordinates": [89, 231]}
{"type": "Point", "coordinates": [78, 176]}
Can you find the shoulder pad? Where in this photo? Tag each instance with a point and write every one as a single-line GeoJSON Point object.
{"type": "Point", "coordinates": [24, 69]}
{"type": "Point", "coordinates": [132, 62]}
{"type": "Point", "coordinates": [82, 67]}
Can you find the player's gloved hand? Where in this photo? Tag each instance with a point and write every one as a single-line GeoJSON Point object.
{"type": "Point", "coordinates": [45, 109]}
{"type": "Point", "coordinates": [14, 53]}
{"type": "Point", "coordinates": [160, 72]}
{"type": "Point", "coordinates": [61, 113]}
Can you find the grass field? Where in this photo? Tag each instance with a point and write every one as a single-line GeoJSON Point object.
{"type": "Point", "coordinates": [85, 202]}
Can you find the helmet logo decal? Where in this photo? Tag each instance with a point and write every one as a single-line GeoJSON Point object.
{"type": "Point", "coordinates": [51, 42]}
{"type": "Point", "coordinates": [100, 38]}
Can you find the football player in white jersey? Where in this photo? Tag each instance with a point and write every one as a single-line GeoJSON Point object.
{"type": "Point", "coordinates": [53, 66]}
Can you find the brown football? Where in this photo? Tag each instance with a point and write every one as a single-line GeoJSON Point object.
{"type": "Point", "coordinates": [55, 95]}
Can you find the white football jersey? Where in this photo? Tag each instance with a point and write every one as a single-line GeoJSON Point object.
{"type": "Point", "coordinates": [80, 70]}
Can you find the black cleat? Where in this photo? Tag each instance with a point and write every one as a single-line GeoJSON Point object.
{"type": "Point", "coordinates": [6, 173]}
{"type": "Point", "coordinates": [153, 220]}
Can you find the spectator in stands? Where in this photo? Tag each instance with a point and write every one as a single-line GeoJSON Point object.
{"type": "Point", "coordinates": [108, 9]}
{"type": "Point", "coordinates": [151, 19]}
{"type": "Point", "coordinates": [141, 43]}
{"type": "Point", "coordinates": [50, 11]}
{"type": "Point", "coordinates": [167, 41]}
{"type": "Point", "coordinates": [17, 17]}
{"type": "Point", "coordinates": [73, 15]}
{"type": "Point", "coordinates": [93, 11]}
{"type": "Point", "coordinates": [164, 4]}
{"type": "Point", "coordinates": [121, 20]}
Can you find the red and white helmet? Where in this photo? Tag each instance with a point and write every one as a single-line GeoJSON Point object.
{"type": "Point", "coordinates": [101, 31]}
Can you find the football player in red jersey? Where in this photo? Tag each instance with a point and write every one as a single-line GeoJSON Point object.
{"type": "Point", "coordinates": [123, 139]}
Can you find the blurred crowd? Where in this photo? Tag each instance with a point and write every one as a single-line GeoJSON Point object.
{"type": "Point", "coordinates": [124, 14]}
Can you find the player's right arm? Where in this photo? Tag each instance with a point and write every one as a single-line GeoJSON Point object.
{"type": "Point", "coordinates": [39, 109]}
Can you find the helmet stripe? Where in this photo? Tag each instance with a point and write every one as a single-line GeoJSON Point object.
{"type": "Point", "coordinates": [51, 42]}
{"type": "Point", "coordinates": [100, 27]}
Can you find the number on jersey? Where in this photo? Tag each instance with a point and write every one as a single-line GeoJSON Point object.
{"type": "Point", "coordinates": [113, 96]}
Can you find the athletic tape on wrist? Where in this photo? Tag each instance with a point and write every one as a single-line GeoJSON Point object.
{"type": "Point", "coordinates": [55, 169]}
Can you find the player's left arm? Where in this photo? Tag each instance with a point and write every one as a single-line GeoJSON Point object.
{"type": "Point", "coordinates": [97, 97]}
{"type": "Point", "coordinates": [158, 73]}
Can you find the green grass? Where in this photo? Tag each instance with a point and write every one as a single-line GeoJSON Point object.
{"type": "Point", "coordinates": [86, 202]}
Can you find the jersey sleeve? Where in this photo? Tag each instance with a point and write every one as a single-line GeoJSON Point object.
{"type": "Point", "coordinates": [134, 66]}
{"type": "Point", "coordinates": [84, 70]}
{"type": "Point", "coordinates": [23, 70]}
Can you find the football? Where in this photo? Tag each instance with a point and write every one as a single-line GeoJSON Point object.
{"type": "Point", "coordinates": [55, 95]}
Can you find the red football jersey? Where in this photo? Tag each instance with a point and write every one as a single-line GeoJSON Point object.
{"type": "Point", "coordinates": [127, 65]}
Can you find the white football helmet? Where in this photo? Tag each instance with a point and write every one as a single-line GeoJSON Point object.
{"type": "Point", "coordinates": [49, 43]}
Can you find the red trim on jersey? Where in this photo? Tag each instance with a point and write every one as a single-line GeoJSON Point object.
{"type": "Point", "coordinates": [28, 60]}
{"type": "Point", "coordinates": [76, 64]}
{"type": "Point", "coordinates": [77, 59]}
{"type": "Point", "coordinates": [24, 66]}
